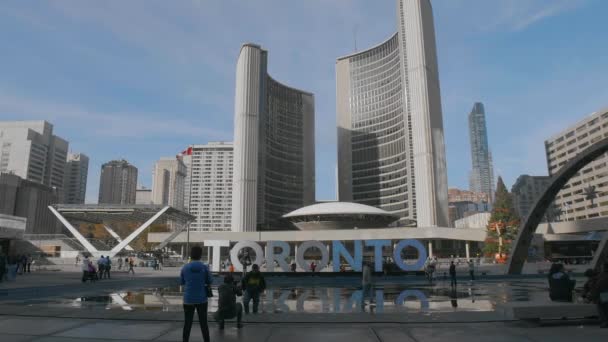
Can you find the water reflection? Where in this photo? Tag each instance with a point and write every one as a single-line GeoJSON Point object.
{"type": "Point", "coordinates": [381, 299]}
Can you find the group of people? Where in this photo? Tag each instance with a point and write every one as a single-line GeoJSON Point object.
{"type": "Point", "coordinates": [196, 279]}
{"type": "Point", "coordinates": [103, 268]}
{"type": "Point", "coordinates": [11, 266]}
{"type": "Point", "coordinates": [431, 266]}
{"type": "Point", "coordinates": [595, 289]}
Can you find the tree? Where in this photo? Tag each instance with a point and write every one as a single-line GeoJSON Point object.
{"type": "Point", "coordinates": [503, 223]}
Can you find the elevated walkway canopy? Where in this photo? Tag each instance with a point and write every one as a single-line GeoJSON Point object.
{"type": "Point", "coordinates": [108, 214]}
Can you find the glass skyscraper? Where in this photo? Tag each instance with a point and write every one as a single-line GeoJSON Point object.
{"type": "Point", "coordinates": [391, 151]}
{"type": "Point", "coordinates": [481, 178]}
{"type": "Point", "coordinates": [274, 150]}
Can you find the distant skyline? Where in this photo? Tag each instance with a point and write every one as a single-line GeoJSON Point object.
{"type": "Point", "coordinates": [140, 80]}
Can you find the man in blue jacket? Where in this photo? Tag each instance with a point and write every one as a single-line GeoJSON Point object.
{"type": "Point", "coordinates": [195, 277]}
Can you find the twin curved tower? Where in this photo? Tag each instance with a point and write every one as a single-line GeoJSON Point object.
{"type": "Point", "coordinates": [391, 151]}
{"type": "Point", "coordinates": [274, 150]}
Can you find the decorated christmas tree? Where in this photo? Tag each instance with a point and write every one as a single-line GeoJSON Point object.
{"type": "Point", "coordinates": [503, 224]}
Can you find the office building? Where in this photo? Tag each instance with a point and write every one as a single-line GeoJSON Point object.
{"type": "Point", "coordinates": [75, 178]}
{"type": "Point", "coordinates": [118, 182]}
{"type": "Point", "coordinates": [209, 185]}
{"type": "Point", "coordinates": [565, 145]}
{"type": "Point", "coordinates": [391, 152]}
{"type": "Point", "coordinates": [458, 195]}
{"type": "Point", "coordinates": [526, 190]}
{"type": "Point", "coordinates": [168, 182]}
{"type": "Point", "coordinates": [274, 150]}
{"type": "Point", "coordinates": [143, 195]}
{"type": "Point", "coordinates": [30, 200]}
{"type": "Point", "coordinates": [31, 151]}
{"type": "Point", "coordinates": [482, 174]}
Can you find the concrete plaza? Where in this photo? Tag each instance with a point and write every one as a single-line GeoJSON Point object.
{"type": "Point", "coordinates": [25, 316]}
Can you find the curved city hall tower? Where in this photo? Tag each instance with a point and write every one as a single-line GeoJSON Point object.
{"type": "Point", "coordinates": [391, 151]}
{"type": "Point", "coordinates": [274, 151]}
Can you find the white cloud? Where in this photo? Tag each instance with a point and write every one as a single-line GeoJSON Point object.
{"type": "Point", "coordinates": [114, 124]}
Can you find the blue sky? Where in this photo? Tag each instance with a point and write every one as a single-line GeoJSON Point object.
{"type": "Point", "coordinates": [143, 79]}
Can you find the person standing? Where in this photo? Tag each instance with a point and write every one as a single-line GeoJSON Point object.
{"type": "Point", "coordinates": [253, 284]}
{"type": "Point", "coordinates": [195, 277]}
{"type": "Point", "coordinates": [231, 268]}
{"type": "Point", "coordinates": [101, 267]}
{"type": "Point", "coordinates": [3, 264]}
{"type": "Point", "coordinates": [599, 295]}
{"type": "Point", "coordinates": [108, 266]}
{"type": "Point", "coordinates": [366, 283]}
{"type": "Point", "coordinates": [23, 263]}
{"type": "Point", "coordinates": [227, 307]}
{"type": "Point", "coordinates": [313, 266]}
{"type": "Point", "coordinates": [452, 274]}
{"type": "Point", "coordinates": [472, 269]}
{"type": "Point", "coordinates": [77, 260]}
{"type": "Point", "coordinates": [293, 266]}
{"type": "Point", "coordinates": [120, 264]}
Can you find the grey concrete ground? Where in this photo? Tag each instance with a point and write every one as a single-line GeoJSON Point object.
{"type": "Point", "coordinates": [56, 329]}
{"type": "Point", "coordinates": [22, 321]}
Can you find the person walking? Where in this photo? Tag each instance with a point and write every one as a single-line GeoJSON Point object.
{"type": "Point", "coordinates": [472, 269]}
{"type": "Point", "coordinates": [108, 266]}
{"type": "Point", "coordinates": [253, 284]}
{"type": "Point", "coordinates": [227, 307]}
{"type": "Point", "coordinates": [452, 274]}
{"type": "Point", "coordinates": [195, 277]}
{"type": "Point", "coordinates": [599, 295]}
{"type": "Point", "coordinates": [131, 264]}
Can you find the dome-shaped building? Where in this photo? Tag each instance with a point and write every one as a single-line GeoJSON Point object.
{"type": "Point", "coordinates": [340, 215]}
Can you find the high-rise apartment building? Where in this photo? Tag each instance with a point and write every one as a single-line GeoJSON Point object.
{"type": "Point", "coordinates": [75, 178]}
{"type": "Point", "coordinates": [168, 182]}
{"type": "Point", "coordinates": [481, 178]}
{"type": "Point", "coordinates": [391, 151]}
{"type": "Point", "coordinates": [29, 150]}
{"type": "Point", "coordinates": [526, 190]}
{"type": "Point", "coordinates": [274, 150]}
{"type": "Point", "coordinates": [118, 183]}
{"type": "Point", "coordinates": [209, 185]}
{"type": "Point", "coordinates": [565, 145]}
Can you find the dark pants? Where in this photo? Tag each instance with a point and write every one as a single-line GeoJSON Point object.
{"type": "Point", "coordinates": [101, 271]}
{"type": "Point", "coordinates": [107, 271]}
{"type": "Point", "coordinates": [201, 310]}
{"type": "Point", "coordinates": [249, 295]}
{"type": "Point", "coordinates": [472, 273]}
{"type": "Point", "coordinates": [452, 280]}
{"type": "Point", "coordinates": [602, 310]}
{"type": "Point", "coordinates": [220, 316]}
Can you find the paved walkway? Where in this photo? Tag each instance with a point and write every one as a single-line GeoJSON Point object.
{"type": "Point", "coordinates": [14, 329]}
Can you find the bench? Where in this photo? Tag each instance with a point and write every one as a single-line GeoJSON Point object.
{"type": "Point", "coordinates": [536, 311]}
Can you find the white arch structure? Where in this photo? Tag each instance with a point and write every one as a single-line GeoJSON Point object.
{"type": "Point", "coordinates": [105, 214]}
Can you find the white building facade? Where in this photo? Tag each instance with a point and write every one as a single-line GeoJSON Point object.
{"type": "Point", "coordinates": [168, 182]}
{"type": "Point", "coordinates": [143, 195]}
{"type": "Point", "coordinates": [29, 150]}
{"type": "Point", "coordinates": [209, 186]}
{"type": "Point", "coordinates": [75, 178]}
{"type": "Point", "coordinates": [274, 152]}
{"type": "Point", "coordinates": [565, 145]}
{"type": "Point", "coordinates": [391, 151]}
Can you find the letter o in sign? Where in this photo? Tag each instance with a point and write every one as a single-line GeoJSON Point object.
{"type": "Point", "coordinates": [421, 255]}
{"type": "Point", "coordinates": [234, 254]}
{"type": "Point", "coordinates": [309, 244]}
